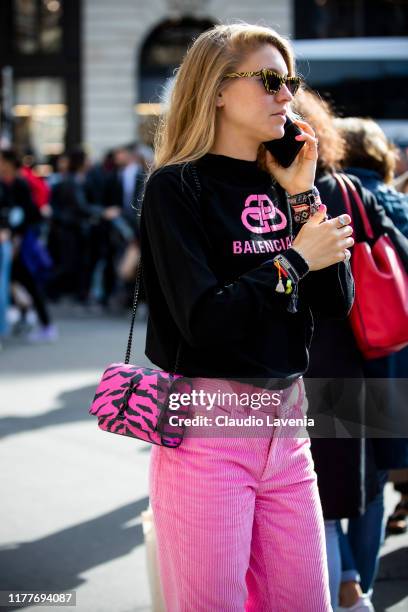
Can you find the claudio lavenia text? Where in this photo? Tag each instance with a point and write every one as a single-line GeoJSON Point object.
{"type": "Point", "coordinates": [248, 421]}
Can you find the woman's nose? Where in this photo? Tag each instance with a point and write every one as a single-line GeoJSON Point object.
{"type": "Point", "coordinates": [283, 94]}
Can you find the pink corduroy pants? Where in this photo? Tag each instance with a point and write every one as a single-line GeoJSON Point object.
{"type": "Point", "coordinates": [237, 514]}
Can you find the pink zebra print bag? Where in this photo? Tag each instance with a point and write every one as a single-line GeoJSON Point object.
{"type": "Point", "coordinates": [134, 400]}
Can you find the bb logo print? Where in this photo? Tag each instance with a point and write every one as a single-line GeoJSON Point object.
{"type": "Point", "coordinates": [263, 217]}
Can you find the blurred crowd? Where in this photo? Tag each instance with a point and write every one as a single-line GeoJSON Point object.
{"type": "Point", "coordinates": [72, 235]}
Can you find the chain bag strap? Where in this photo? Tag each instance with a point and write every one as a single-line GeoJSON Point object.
{"type": "Point", "coordinates": [132, 324]}
{"type": "Point", "coordinates": [196, 180]}
{"type": "Point", "coordinates": [139, 276]}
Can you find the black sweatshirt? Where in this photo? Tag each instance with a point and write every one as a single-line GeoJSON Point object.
{"type": "Point", "coordinates": [210, 281]}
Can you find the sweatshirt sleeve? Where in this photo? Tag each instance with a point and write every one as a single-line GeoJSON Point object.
{"type": "Point", "coordinates": [330, 291]}
{"type": "Point", "coordinates": [205, 310]}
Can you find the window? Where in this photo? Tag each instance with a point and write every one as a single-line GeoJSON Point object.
{"type": "Point", "coordinates": [40, 115]}
{"type": "Point", "coordinates": [37, 26]}
{"type": "Point", "coordinates": [350, 18]}
{"type": "Point", "coordinates": [377, 88]}
{"type": "Point", "coordinates": [163, 51]}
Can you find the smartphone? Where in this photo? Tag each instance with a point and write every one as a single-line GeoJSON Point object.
{"type": "Point", "coordinates": [286, 148]}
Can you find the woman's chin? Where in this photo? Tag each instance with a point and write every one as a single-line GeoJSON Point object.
{"type": "Point", "coordinates": [276, 133]}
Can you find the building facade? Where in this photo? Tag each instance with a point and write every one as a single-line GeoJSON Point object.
{"type": "Point", "coordinates": [40, 63]}
{"type": "Point", "coordinates": [97, 82]}
{"type": "Point", "coordinates": [131, 47]}
{"type": "Point", "coordinates": [93, 72]}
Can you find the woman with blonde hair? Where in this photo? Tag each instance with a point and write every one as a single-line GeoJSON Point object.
{"type": "Point", "coordinates": [236, 252]}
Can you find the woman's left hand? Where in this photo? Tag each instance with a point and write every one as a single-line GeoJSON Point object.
{"type": "Point", "coordinates": [300, 175]}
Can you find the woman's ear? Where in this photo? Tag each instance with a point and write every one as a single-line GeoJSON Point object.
{"type": "Point", "coordinates": [220, 100]}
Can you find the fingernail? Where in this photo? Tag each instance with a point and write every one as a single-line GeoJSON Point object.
{"type": "Point", "coordinates": [322, 208]}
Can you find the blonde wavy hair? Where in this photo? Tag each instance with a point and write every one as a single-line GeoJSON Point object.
{"type": "Point", "coordinates": [186, 130]}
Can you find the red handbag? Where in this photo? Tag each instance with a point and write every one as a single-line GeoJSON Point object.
{"type": "Point", "coordinates": [379, 316]}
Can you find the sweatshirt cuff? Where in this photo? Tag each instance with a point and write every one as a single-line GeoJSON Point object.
{"type": "Point", "coordinates": [293, 266]}
{"type": "Point", "coordinates": [298, 262]}
{"type": "Point", "coordinates": [293, 263]}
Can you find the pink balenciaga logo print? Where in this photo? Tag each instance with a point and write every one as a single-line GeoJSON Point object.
{"type": "Point", "coordinates": [260, 216]}
{"type": "Point", "coordinates": [263, 217]}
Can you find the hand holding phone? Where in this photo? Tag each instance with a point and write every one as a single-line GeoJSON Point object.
{"type": "Point", "coordinates": [285, 149]}
{"type": "Point", "coordinates": [294, 171]}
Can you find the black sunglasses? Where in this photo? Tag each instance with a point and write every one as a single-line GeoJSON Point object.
{"type": "Point", "coordinates": [272, 80]}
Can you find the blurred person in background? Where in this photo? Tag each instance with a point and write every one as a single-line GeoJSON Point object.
{"type": "Point", "coordinates": [34, 248]}
{"type": "Point", "coordinates": [401, 164]}
{"type": "Point", "coordinates": [108, 162]}
{"type": "Point", "coordinates": [23, 217]}
{"type": "Point", "coordinates": [122, 193]}
{"type": "Point", "coordinates": [350, 483]}
{"type": "Point", "coordinates": [126, 179]}
{"type": "Point", "coordinates": [125, 184]}
{"type": "Point", "coordinates": [97, 176]}
{"type": "Point", "coordinates": [69, 238]}
{"type": "Point", "coordinates": [40, 190]}
{"type": "Point", "coordinates": [60, 165]}
{"type": "Point", "coordinates": [372, 157]}
{"type": "Point", "coordinates": [131, 257]}
{"type": "Point", "coordinates": [6, 250]}
{"type": "Point", "coordinates": [401, 183]}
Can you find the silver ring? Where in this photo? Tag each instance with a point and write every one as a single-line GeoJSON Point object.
{"type": "Point", "coordinates": [342, 220]}
{"type": "Point", "coordinates": [347, 255]}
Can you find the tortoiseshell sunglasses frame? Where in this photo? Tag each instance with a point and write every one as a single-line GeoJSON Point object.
{"type": "Point", "coordinates": [296, 80]}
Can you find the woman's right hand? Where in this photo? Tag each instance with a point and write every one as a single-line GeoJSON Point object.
{"type": "Point", "coordinates": [323, 243]}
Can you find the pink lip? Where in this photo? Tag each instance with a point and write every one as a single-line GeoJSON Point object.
{"type": "Point", "coordinates": [282, 114]}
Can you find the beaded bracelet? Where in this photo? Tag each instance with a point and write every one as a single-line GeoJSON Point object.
{"type": "Point", "coordinates": [286, 269]}
{"type": "Point", "coordinates": [304, 205]}
{"type": "Point", "coordinates": [294, 274]}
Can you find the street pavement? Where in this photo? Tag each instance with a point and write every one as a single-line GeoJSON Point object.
{"type": "Point", "coordinates": [71, 494]}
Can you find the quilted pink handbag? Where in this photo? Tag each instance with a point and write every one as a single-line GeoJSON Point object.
{"type": "Point", "coordinates": [133, 400]}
